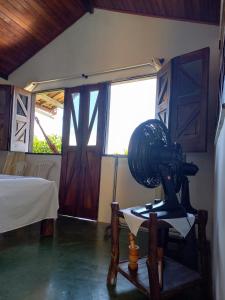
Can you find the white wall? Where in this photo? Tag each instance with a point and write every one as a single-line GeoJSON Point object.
{"type": "Point", "coordinates": [128, 191]}
{"type": "Point", "coordinates": [219, 219]}
{"type": "Point", "coordinates": [107, 40]}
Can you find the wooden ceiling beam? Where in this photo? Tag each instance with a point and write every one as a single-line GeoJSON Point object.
{"type": "Point", "coordinates": [89, 6]}
{"type": "Point", "coordinates": [45, 111]}
{"type": "Point", "coordinates": [200, 11]}
{"type": "Point", "coordinates": [49, 100]}
{"type": "Point", "coordinates": [4, 76]}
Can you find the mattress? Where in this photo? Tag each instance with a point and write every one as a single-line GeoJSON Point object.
{"type": "Point", "coordinates": [26, 200]}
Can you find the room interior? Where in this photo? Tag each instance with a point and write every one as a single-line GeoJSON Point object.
{"type": "Point", "coordinates": [77, 47]}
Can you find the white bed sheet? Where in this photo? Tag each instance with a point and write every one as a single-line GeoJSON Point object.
{"type": "Point", "coordinates": [26, 200]}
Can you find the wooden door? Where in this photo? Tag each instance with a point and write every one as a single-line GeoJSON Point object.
{"type": "Point", "coordinates": [5, 114]}
{"type": "Point", "coordinates": [84, 131]}
{"type": "Point", "coordinates": [189, 100]}
{"type": "Point", "coordinates": [20, 120]}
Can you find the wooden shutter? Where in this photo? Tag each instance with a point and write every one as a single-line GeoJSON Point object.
{"type": "Point", "coordinates": [163, 94]}
{"type": "Point", "coordinates": [20, 120]}
{"type": "Point", "coordinates": [5, 108]}
{"type": "Point", "coordinates": [84, 134]}
{"type": "Point", "coordinates": [182, 99]}
{"type": "Point", "coordinates": [189, 99]}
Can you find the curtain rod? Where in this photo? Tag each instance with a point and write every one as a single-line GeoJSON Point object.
{"type": "Point", "coordinates": [137, 77]}
{"type": "Point", "coordinates": [118, 80]}
{"type": "Point", "coordinates": [156, 64]}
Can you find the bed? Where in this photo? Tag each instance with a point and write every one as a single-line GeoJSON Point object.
{"type": "Point", "coordinates": [26, 200]}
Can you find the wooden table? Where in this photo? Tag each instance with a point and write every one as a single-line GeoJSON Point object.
{"type": "Point", "coordinates": [176, 277]}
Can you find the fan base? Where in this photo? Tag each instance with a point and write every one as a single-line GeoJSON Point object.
{"type": "Point", "coordinates": [167, 214]}
{"type": "Point", "coordinates": [162, 209]}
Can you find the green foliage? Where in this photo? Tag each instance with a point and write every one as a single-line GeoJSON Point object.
{"type": "Point", "coordinates": [125, 151]}
{"type": "Point", "coordinates": [41, 146]}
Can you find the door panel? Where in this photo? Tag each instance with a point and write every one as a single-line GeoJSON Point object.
{"type": "Point", "coordinates": [5, 113]}
{"type": "Point", "coordinates": [188, 121]}
{"type": "Point", "coordinates": [182, 99]}
{"type": "Point", "coordinates": [20, 120]}
{"type": "Point", "coordinates": [85, 121]}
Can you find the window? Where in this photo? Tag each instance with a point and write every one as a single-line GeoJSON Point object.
{"type": "Point", "coordinates": [132, 102]}
{"type": "Point", "coordinates": [74, 118]}
{"type": "Point", "coordinates": [93, 100]}
{"type": "Point", "coordinates": [48, 119]}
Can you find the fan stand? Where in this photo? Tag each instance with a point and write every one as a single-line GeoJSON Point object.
{"type": "Point", "coordinates": [170, 208]}
{"type": "Point", "coordinates": [108, 229]}
{"type": "Point", "coordinates": [185, 197]}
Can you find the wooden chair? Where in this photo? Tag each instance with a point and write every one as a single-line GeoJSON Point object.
{"type": "Point", "coordinates": [176, 277]}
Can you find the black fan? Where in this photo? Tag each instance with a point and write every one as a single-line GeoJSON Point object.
{"type": "Point", "coordinates": [153, 160]}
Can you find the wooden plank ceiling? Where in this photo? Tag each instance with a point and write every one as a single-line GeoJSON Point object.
{"type": "Point", "coordinates": [50, 101]}
{"type": "Point", "coordinates": [26, 26]}
{"type": "Point", "coordinates": [205, 11]}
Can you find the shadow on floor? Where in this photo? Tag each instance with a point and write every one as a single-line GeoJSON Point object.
{"type": "Point", "coordinates": [71, 266]}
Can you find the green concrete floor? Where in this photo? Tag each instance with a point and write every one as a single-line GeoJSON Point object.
{"type": "Point", "coordinates": [72, 266]}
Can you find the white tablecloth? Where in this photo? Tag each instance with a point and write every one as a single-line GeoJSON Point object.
{"type": "Point", "coordinates": [26, 200]}
{"type": "Point", "coordinates": [182, 225]}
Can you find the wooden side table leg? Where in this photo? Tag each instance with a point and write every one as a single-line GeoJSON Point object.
{"type": "Point", "coordinates": [112, 272]}
{"type": "Point", "coordinates": [204, 255]}
{"type": "Point", "coordinates": [47, 227]}
{"type": "Point", "coordinates": [152, 261]}
{"type": "Point", "coordinates": [160, 254]}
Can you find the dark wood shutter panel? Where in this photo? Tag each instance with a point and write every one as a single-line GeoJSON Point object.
{"type": "Point", "coordinates": [163, 94]}
{"type": "Point", "coordinates": [5, 113]}
{"type": "Point", "coordinates": [182, 99]}
{"type": "Point", "coordinates": [189, 100]}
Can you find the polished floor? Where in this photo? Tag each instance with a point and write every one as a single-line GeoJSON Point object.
{"type": "Point", "coordinates": [72, 266]}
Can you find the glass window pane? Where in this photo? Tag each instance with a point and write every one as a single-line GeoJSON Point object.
{"type": "Point", "coordinates": [93, 99]}
{"type": "Point", "coordinates": [19, 110]}
{"type": "Point", "coordinates": [50, 117]}
{"type": "Point", "coordinates": [76, 105]}
{"type": "Point", "coordinates": [163, 82]}
{"type": "Point", "coordinates": [131, 103]}
{"type": "Point", "coordinates": [72, 138]}
{"type": "Point", "coordinates": [93, 137]}
{"type": "Point", "coordinates": [24, 99]}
